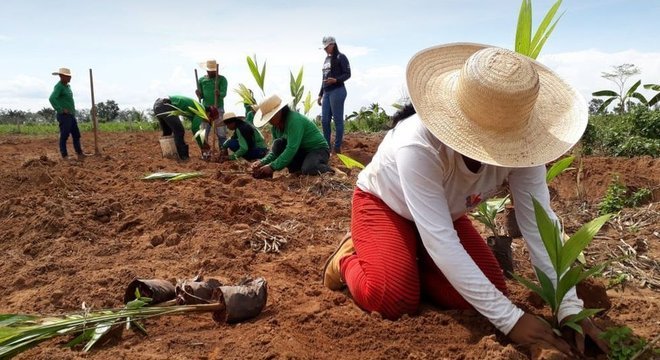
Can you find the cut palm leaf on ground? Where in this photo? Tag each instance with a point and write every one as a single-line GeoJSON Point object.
{"type": "Point", "coordinates": [349, 162]}
{"type": "Point", "coordinates": [172, 176]}
{"type": "Point", "coordinates": [20, 332]}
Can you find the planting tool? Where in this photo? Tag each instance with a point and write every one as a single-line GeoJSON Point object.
{"type": "Point", "coordinates": [199, 98]}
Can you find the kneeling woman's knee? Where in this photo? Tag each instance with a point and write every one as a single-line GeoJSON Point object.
{"type": "Point", "coordinates": [394, 301]}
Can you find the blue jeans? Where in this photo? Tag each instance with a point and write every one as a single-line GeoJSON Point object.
{"type": "Point", "coordinates": [68, 126]}
{"type": "Point", "coordinates": [332, 107]}
{"type": "Point", "coordinates": [252, 154]}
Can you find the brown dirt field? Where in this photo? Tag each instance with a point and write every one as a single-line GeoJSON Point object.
{"type": "Point", "coordinates": [75, 232]}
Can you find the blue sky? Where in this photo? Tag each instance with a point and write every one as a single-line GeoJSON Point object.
{"type": "Point", "coordinates": [142, 50]}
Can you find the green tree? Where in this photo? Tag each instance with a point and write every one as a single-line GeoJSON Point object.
{"type": "Point", "coordinates": [656, 99]}
{"type": "Point", "coordinates": [107, 111]}
{"type": "Point", "coordinates": [46, 114]}
{"type": "Point", "coordinates": [595, 105]}
{"type": "Point", "coordinates": [620, 75]}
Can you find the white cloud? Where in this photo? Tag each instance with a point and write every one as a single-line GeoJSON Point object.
{"type": "Point", "coordinates": [583, 69]}
{"type": "Point", "coordinates": [5, 38]}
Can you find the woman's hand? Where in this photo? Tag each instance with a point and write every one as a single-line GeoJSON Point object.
{"type": "Point", "coordinates": [591, 330]}
{"type": "Point", "coordinates": [255, 165]}
{"type": "Point", "coordinates": [318, 101]}
{"type": "Point", "coordinates": [531, 330]}
{"type": "Point", "coordinates": [330, 81]}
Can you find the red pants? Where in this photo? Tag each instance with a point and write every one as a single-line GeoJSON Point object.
{"type": "Point", "coordinates": [390, 267]}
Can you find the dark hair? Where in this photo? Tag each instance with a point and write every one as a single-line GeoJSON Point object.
{"type": "Point", "coordinates": [285, 112]}
{"type": "Point", "coordinates": [334, 61]}
{"type": "Point", "coordinates": [405, 112]}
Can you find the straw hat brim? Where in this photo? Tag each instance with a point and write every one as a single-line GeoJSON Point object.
{"type": "Point", "coordinates": [557, 121]}
{"type": "Point", "coordinates": [203, 66]}
{"type": "Point", "coordinates": [59, 73]}
{"type": "Point", "coordinates": [261, 119]}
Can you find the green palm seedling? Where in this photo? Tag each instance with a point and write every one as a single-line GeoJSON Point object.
{"type": "Point", "coordinates": [246, 95]}
{"type": "Point", "coordinates": [525, 43]}
{"type": "Point", "coordinates": [296, 87]}
{"type": "Point", "coordinates": [559, 167]}
{"type": "Point", "coordinates": [20, 332]}
{"type": "Point", "coordinates": [562, 256]}
{"type": "Point", "coordinates": [308, 103]}
{"type": "Point", "coordinates": [486, 212]}
{"type": "Point", "coordinates": [259, 76]}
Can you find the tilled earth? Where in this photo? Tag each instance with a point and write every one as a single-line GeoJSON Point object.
{"type": "Point", "coordinates": [80, 231]}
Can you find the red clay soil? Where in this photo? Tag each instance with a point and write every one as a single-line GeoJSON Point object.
{"type": "Point", "coordinates": [80, 231]}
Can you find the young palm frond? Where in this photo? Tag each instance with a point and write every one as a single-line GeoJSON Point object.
{"type": "Point", "coordinates": [19, 332]}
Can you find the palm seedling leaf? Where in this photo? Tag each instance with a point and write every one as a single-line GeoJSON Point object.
{"type": "Point", "coordinates": [579, 242]}
{"type": "Point", "coordinates": [349, 162]}
{"type": "Point", "coordinates": [550, 235]}
{"type": "Point", "coordinates": [524, 28]}
{"type": "Point", "coordinates": [559, 167]}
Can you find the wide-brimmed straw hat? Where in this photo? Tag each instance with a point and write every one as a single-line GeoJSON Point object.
{"type": "Point", "coordinates": [209, 65]}
{"type": "Point", "coordinates": [269, 107]}
{"type": "Point", "coordinates": [230, 116]}
{"type": "Point", "coordinates": [494, 105]}
{"type": "Point", "coordinates": [63, 71]}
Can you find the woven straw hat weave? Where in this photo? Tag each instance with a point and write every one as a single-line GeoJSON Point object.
{"type": "Point", "coordinates": [268, 108]}
{"type": "Point", "coordinates": [494, 105]}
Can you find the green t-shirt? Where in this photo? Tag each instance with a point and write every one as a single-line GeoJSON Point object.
{"type": "Point", "coordinates": [243, 143]}
{"type": "Point", "coordinates": [62, 98]}
{"type": "Point", "coordinates": [184, 103]}
{"type": "Point", "coordinates": [300, 133]}
{"type": "Point", "coordinates": [207, 87]}
{"type": "Point", "coordinates": [249, 114]}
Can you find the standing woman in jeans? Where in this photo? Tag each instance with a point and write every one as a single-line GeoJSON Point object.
{"type": "Point", "coordinates": [336, 70]}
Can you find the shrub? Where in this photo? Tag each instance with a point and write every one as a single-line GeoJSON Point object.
{"type": "Point", "coordinates": [619, 196]}
{"type": "Point", "coordinates": [636, 133]}
{"type": "Point", "coordinates": [369, 119]}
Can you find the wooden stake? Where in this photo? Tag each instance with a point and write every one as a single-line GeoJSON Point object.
{"type": "Point", "coordinates": [215, 103]}
{"type": "Point", "coordinates": [94, 122]}
{"type": "Point", "coordinates": [199, 97]}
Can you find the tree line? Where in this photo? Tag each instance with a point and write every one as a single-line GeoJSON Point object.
{"type": "Point", "coordinates": [106, 111]}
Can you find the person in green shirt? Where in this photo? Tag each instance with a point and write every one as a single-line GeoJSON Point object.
{"type": "Point", "coordinates": [171, 125]}
{"type": "Point", "coordinates": [212, 89]}
{"type": "Point", "coordinates": [185, 104]}
{"type": "Point", "coordinates": [247, 142]}
{"type": "Point", "coordinates": [61, 99]}
{"type": "Point", "coordinates": [297, 143]}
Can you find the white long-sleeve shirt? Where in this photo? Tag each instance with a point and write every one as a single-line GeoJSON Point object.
{"type": "Point", "coordinates": [425, 181]}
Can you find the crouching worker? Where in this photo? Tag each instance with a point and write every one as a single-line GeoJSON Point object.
{"type": "Point", "coordinates": [175, 106]}
{"type": "Point", "coordinates": [297, 143]}
{"type": "Point", "coordinates": [247, 142]}
{"type": "Point", "coordinates": [171, 126]}
{"type": "Point", "coordinates": [484, 116]}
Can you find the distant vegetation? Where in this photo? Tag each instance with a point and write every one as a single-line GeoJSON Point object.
{"type": "Point", "coordinates": [111, 119]}
{"type": "Point", "coordinates": [634, 133]}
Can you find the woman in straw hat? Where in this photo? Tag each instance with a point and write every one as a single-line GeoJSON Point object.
{"type": "Point", "coordinates": [247, 142]}
{"type": "Point", "coordinates": [297, 143]}
{"type": "Point", "coordinates": [484, 116]}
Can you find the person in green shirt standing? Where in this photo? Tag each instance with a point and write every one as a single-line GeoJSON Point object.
{"type": "Point", "coordinates": [297, 143]}
{"type": "Point", "coordinates": [247, 142]}
{"type": "Point", "coordinates": [62, 101]}
{"type": "Point", "coordinates": [212, 89]}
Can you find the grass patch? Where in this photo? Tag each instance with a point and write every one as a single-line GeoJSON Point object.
{"type": "Point", "coordinates": [53, 128]}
